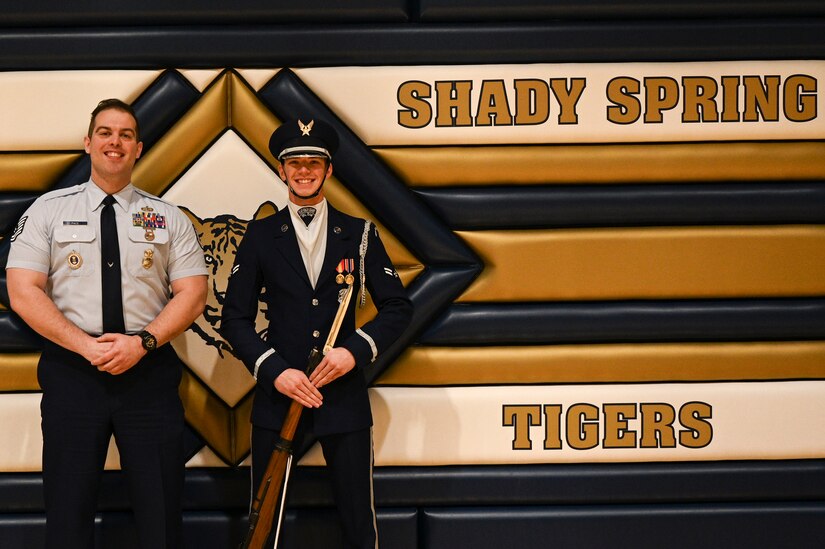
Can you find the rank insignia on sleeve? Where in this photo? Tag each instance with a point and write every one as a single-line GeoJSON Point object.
{"type": "Point", "coordinates": [19, 228]}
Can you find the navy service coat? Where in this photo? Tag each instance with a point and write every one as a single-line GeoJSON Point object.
{"type": "Point", "coordinates": [300, 316]}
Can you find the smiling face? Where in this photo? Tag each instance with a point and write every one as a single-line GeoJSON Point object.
{"type": "Point", "coordinates": [304, 175]}
{"type": "Point", "coordinates": [114, 148]}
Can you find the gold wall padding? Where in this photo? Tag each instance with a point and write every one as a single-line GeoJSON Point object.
{"type": "Point", "coordinates": [607, 363]}
{"type": "Point", "coordinates": [648, 263]}
{"type": "Point", "coordinates": [182, 144]}
{"type": "Point", "coordinates": [225, 429]}
{"type": "Point", "coordinates": [33, 172]}
{"type": "Point", "coordinates": [251, 118]}
{"type": "Point", "coordinates": [567, 164]}
{"type": "Point", "coordinates": [18, 372]}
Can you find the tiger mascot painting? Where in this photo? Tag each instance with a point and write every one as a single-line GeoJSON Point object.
{"type": "Point", "coordinates": [203, 349]}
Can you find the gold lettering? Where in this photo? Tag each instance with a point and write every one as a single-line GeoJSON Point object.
{"type": "Point", "coordinates": [800, 98]}
{"type": "Point", "coordinates": [761, 98]}
{"type": "Point", "coordinates": [568, 98]}
{"type": "Point", "coordinates": [626, 108]}
{"type": "Point", "coordinates": [661, 94]}
{"type": "Point", "coordinates": [582, 426]}
{"type": "Point", "coordinates": [522, 417]}
{"type": "Point", "coordinates": [697, 432]}
{"type": "Point", "coordinates": [532, 102]}
{"type": "Point", "coordinates": [657, 426]}
{"type": "Point", "coordinates": [730, 99]}
{"type": "Point", "coordinates": [616, 432]}
{"type": "Point", "coordinates": [454, 103]}
{"type": "Point", "coordinates": [552, 426]}
{"type": "Point", "coordinates": [699, 97]}
{"type": "Point", "coordinates": [493, 107]}
{"type": "Point", "coordinates": [417, 112]}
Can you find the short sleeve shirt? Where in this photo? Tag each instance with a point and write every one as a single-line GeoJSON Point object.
{"type": "Point", "coordinates": [60, 235]}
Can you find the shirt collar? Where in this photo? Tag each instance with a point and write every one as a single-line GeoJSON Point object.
{"type": "Point", "coordinates": [96, 195]}
{"type": "Point", "coordinates": [320, 211]}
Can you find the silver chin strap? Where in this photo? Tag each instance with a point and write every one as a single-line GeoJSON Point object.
{"type": "Point", "coordinates": [313, 195]}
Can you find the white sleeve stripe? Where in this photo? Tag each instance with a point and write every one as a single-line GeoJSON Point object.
{"type": "Point", "coordinates": [366, 336]}
{"type": "Point", "coordinates": [260, 361]}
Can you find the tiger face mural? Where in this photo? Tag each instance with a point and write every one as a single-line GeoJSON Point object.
{"type": "Point", "coordinates": [219, 237]}
{"type": "Point", "coordinates": [201, 347]}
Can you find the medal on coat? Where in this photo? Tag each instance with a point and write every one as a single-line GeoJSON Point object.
{"type": "Point", "coordinates": [148, 258]}
{"type": "Point", "coordinates": [150, 222]}
{"type": "Point", "coordinates": [74, 260]}
{"type": "Point", "coordinates": [345, 266]}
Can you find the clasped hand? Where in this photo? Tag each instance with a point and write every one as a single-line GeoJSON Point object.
{"type": "Point", "coordinates": [296, 385]}
{"type": "Point", "coordinates": [114, 353]}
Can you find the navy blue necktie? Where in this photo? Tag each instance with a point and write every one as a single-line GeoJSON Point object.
{"type": "Point", "coordinates": [110, 270]}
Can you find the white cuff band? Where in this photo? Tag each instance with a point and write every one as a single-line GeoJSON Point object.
{"type": "Point", "coordinates": [260, 361]}
{"type": "Point", "coordinates": [366, 336]}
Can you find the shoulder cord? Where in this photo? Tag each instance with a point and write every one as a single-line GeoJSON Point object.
{"type": "Point", "coordinates": [362, 254]}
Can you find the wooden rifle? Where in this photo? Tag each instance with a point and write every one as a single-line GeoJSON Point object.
{"type": "Point", "coordinates": [276, 476]}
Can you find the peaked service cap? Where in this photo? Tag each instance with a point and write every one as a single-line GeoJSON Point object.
{"type": "Point", "coordinates": [298, 138]}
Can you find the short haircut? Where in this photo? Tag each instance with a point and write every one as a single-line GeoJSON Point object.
{"type": "Point", "coordinates": [117, 105]}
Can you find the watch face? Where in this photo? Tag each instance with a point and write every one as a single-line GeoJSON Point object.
{"type": "Point", "coordinates": [149, 341]}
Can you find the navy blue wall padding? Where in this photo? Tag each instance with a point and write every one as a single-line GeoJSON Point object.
{"type": "Point", "coordinates": [602, 483]}
{"type": "Point", "coordinates": [162, 104]}
{"type": "Point", "coordinates": [532, 10]}
{"type": "Point", "coordinates": [249, 46]}
{"type": "Point", "coordinates": [433, 506]}
{"type": "Point", "coordinates": [53, 13]}
{"type": "Point", "coordinates": [15, 335]}
{"type": "Point", "coordinates": [489, 485]}
{"type": "Point", "coordinates": [304, 528]}
{"type": "Point", "coordinates": [534, 207]}
{"type": "Point", "coordinates": [628, 321]}
{"type": "Point", "coordinates": [720, 526]}
{"type": "Point", "coordinates": [12, 206]}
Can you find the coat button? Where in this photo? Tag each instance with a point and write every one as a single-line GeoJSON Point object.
{"type": "Point", "coordinates": [314, 302]}
{"type": "Point", "coordinates": [316, 334]}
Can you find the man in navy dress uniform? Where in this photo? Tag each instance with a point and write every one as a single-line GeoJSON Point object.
{"type": "Point", "coordinates": [300, 261]}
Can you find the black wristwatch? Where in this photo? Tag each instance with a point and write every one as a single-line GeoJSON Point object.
{"type": "Point", "coordinates": [149, 342]}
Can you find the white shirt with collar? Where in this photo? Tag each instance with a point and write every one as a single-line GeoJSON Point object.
{"type": "Point", "coordinates": [312, 238]}
{"type": "Point", "coordinates": [60, 235]}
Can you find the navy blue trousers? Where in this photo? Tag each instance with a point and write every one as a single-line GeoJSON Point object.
{"type": "Point", "coordinates": [349, 458]}
{"type": "Point", "coordinates": [81, 409]}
